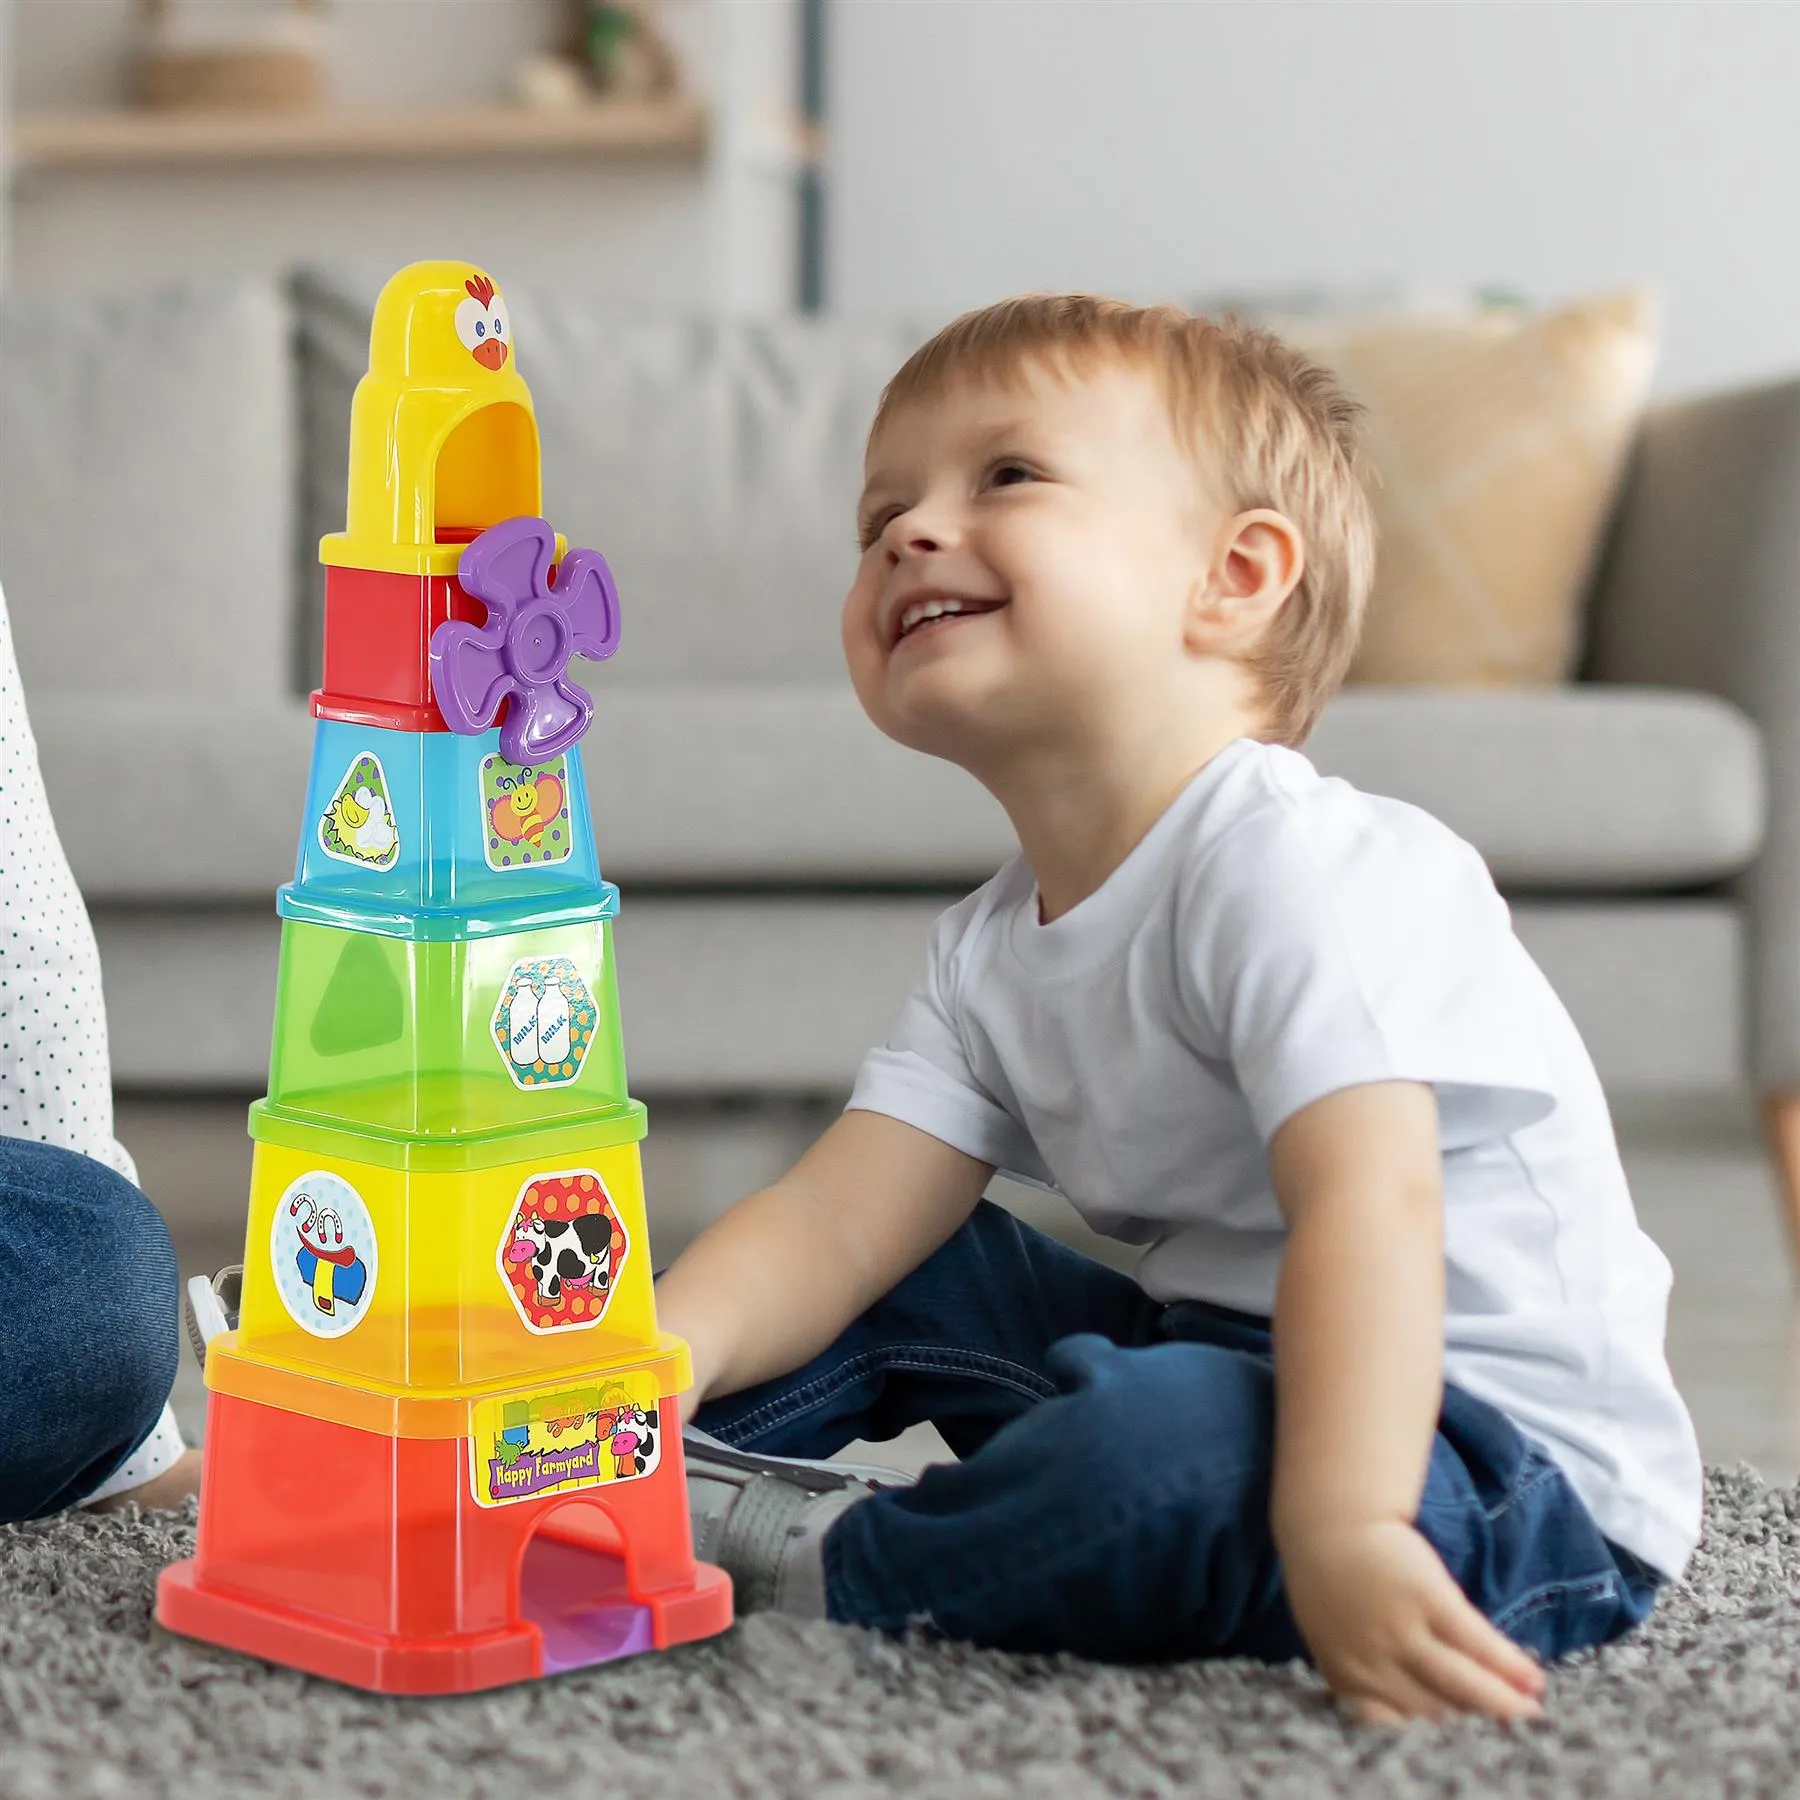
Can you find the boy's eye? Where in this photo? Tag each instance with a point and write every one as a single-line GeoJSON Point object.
{"type": "Point", "coordinates": [874, 525]}
{"type": "Point", "coordinates": [1010, 474]}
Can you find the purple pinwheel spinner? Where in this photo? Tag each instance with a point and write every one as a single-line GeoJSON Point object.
{"type": "Point", "coordinates": [521, 653]}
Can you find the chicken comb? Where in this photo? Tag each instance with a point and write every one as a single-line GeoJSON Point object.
{"type": "Point", "coordinates": [482, 289]}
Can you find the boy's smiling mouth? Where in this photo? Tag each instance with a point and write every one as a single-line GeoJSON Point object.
{"type": "Point", "coordinates": [924, 612]}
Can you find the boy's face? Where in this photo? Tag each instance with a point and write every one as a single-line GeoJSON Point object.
{"type": "Point", "coordinates": [1030, 549]}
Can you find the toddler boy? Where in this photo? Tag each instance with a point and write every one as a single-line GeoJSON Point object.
{"type": "Point", "coordinates": [1389, 1387]}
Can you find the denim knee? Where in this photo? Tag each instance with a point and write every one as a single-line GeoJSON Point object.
{"type": "Point", "coordinates": [142, 1350]}
{"type": "Point", "coordinates": [89, 1307]}
{"type": "Point", "coordinates": [1145, 1402]}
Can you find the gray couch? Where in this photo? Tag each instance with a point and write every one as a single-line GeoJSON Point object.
{"type": "Point", "coordinates": [170, 461]}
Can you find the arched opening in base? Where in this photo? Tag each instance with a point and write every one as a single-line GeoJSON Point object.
{"type": "Point", "coordinates": [573, 1588]}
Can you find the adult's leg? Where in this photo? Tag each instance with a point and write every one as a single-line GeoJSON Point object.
{"type": "Point", "coordinates": [89, 1337]}
{"type": "Point", "coordinates": [962, 1342]}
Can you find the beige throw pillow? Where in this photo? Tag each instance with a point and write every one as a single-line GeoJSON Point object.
{"type": "Point", "coordinates": [1498, 441]}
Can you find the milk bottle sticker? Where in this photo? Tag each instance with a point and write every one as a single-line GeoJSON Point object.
{"type": "Point", "coordinates": [358, 826]}
{"type": "Point", "coordinates": [553, 1024]}
{"type": "Point", "coordinates": [323, 1252]}
{"type": "Point", "coordinates": [544, 1022]}
{"type": "Point", "coordinates": [525, 815]}
{"type": "Point", "coordinates": [522, 1025]}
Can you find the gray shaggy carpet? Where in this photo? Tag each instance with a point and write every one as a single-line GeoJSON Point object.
{"type": "Point", "coordinates": [95, 1700]}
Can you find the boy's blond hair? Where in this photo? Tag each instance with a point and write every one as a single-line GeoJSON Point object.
{"type": "Point", "coordinates": [1269, 427]}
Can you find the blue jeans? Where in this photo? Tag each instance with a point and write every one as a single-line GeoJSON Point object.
{"type": "Point", "coordinates": [89, 1325]}
{"type": "Point", "coordinates": [1112, 1497]}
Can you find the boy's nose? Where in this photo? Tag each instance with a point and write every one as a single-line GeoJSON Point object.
{"type": "Point", "coordinates": [928, 525]}
{"type": "Point", "coordinates": [920, 532]}
{"type": "Point", "coordinates": [913, 543]}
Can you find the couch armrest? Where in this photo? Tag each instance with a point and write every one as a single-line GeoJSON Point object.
{"type": "Point", "coordinates": [1700, 588]}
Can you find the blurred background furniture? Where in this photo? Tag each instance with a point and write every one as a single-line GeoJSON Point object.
{"type": "Point", "coordinates": [780, 861]}
{"type": "Point", "coordinates": [456, 127]}
{"type": "Point", "coordinates": [253, 57]}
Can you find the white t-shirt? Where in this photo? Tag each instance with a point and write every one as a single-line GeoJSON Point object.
{"type": "Point", "coordinates": [1277, 935]}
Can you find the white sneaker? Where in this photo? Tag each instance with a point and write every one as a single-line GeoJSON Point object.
{"type": "Point", "coordinates": [212, 1307]}
{"type": "Point", "coordinates": [763, 1519]}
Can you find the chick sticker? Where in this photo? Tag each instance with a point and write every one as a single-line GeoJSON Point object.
{"type": "Point", "coordinates": [483, 324]}
{"type": "Point", "coordinates": [322, 1251]}
{"type": "Point", "coordinates": [525, 813]}
{"type": "Point", "coordinates": [544, 1022]}
{"type": "Point", "coordinates": [358, 826]}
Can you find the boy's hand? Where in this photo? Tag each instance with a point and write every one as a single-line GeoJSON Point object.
{"type": "Point", "coordinates": [1359, 1334]}
{"type": "Point", "coordinates": [1394, 1635]}
{"type": "Point", "coordinates": [766, 1287]}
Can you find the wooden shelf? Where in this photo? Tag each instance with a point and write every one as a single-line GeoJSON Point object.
{"type": "Point", "coordinates": [129, 140]}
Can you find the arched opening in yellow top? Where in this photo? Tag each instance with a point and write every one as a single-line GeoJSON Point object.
{"type": "Point", "coordinates": [487, 471]}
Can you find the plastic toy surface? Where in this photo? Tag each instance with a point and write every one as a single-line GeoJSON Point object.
{"type": "Point", "coordinates": [524, 648]}
{"type": "Point", "coordinates": [442, 1450]}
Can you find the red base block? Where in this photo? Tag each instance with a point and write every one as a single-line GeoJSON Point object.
{"type": "Point", "coordinates": [328, 1647]}
{"type": "Point", "coordinates": [458, 1665]}
{"type": "Point", "coordinates": [366, 1559]}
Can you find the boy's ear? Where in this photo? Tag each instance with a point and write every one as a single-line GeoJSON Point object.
{"type": "Point", "coordinates": [1258, 561]}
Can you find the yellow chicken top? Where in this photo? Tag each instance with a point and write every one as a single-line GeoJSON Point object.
{"type": "Point", "coordinates": [443, 434]}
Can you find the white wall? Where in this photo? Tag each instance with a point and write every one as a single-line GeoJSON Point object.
{"type": "Point", "coordinates": [722, 231]}
{"type": "Point", "coordinates": [1173, 148]}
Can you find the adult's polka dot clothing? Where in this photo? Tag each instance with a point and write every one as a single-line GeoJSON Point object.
{"type": "Point", "coordinates": [55, 1071]}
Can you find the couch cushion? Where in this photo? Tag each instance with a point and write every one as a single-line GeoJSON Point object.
{"type": "Point", "coordinates": [146, 539]}
{"type": "Point", "coordinates": [715, 460]}
{"type": "Point", "coordinates": [754, 993]}
{"type": "Point", "coordinates": [1497, 443]}
{"type": "Point", "coordinates": [1579, 788]}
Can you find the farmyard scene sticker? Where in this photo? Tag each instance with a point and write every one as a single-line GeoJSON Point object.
{"type": "Point", "coordinates": [358, 826]}
{"type": "Point", "coordinates": [544, 1021]}
{"type": "Point", "coordinates": [525, 813]}
{"type": "Point", "coordinates": [322, 1249]}
{"type": "Point", "coordinates": [559, 1443]}
{"type": "Point", "coordinates": [562, 1250]}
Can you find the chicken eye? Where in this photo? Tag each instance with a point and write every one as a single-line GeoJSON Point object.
{"type": "Point", "coordinates": [471, 322]}
{"type": "Point", "coordinates": [500, 320]}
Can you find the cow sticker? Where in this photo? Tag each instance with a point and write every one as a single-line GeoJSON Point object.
{"type": "Point", "coordinates": [526, 821]}
{"type": "Point", "coordinates": [358, 826]}
{"type": "Point", "coordinates": [544, 1022]}
{"type": "Point", "coordinates": [562, 1251]}
{"type": "Point", "coordinates": [322, 1249]}
{"type": "Point", "coordinates": [580, 1437]}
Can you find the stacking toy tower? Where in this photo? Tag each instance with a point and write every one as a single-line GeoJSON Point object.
{"type": "Point", "coordinates": [441, 1448]}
